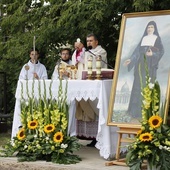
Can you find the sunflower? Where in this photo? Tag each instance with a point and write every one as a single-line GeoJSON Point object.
{"type": "Point", "coordinates": [145, 137]}
{"type": "Point", "coordinates": [58, 137]}
{"type": "Point", "coordinates": [32, 124]}
{"type": "Point", "coordinates": [49, 128]}
{"type": "Point", "coordinates": [155, 121]}
{"type": "Point", "coordinates": [21, 134]}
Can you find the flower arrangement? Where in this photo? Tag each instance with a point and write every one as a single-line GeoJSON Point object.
{"type": "Point", "coordinates": [152, 143]}
{"type": "Point", "coordinates": [43, 135]}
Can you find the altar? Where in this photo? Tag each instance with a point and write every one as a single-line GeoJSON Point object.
{"type": "Point", "coordinates": [77, 90]}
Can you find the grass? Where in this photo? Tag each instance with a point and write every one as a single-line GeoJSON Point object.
{"type": "Point", "coordinates": [5, 134]}
{"type": "Point", "coordinates": [4, 138]}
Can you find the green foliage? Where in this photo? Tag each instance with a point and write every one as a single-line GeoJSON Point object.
{"type": "Point", "coordinates": [59, 23]}
{"type": "Point", "coordinates": [5, 137]}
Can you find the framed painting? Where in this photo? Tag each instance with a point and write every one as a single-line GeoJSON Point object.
{"type": "Point", "coordinates": [144, 36]}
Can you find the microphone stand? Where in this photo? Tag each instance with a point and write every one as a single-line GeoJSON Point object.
{"type": "Point", "coordinates": [101, 58]}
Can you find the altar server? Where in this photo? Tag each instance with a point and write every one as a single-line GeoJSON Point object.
{"type": "Point", "coordinates": [33, 69]}
{"type": "Point", "coordinates": [63, 62]}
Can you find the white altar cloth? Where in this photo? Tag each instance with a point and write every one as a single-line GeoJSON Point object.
{"type": "Point", "coordinates": [77, 89]}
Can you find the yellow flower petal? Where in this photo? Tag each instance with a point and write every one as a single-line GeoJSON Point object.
{"type": "Point", "coordinates": [32, 124]}
{"type": "Point", "coordinates": [58, 137]}
{"type": "Point", "coordinates": [49, 128]}
{"type": "Point", "coordinates": [145, 137]}
{"type": "Point", "coordinates": [21, 134]}
{"type": "Point", "coordinates": [155, 121]}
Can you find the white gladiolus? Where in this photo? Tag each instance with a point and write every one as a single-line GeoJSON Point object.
{"type": "Point", "coordinates": [160, 146]}
{"type": "Point", "coordinates": [164, 147]}
{"type": "Point", "coordinates": [63, 146]}
{"type": "Point", "coordinates": [151, 85]}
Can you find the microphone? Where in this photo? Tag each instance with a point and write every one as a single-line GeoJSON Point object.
{"type": "Point", "coordinates": [88, 50]}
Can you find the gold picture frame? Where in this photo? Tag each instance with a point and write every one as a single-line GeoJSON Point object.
{"type": "Point", "coordinates": [133, 28]}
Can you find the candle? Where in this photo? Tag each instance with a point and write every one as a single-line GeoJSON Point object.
{"type": "Point", "coordinates": [98, 71]}
{"type": "Point", "coordinates": [89, 71]}
{"type": "Point", "coordinates": [98, 64]}
{"type": "Point", "coordinates": [89, 64]}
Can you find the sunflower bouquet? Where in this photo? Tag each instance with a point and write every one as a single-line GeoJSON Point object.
{"type": "Point", "coordinates": [43, 135]}
{"type": "Point", "coordinates": [152, 143]}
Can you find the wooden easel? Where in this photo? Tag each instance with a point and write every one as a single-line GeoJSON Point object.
{"type": "Point", "coordinates": [123, 129]}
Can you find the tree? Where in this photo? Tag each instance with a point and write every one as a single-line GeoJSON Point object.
{"type": "Point", "coordinates": [59, 23]}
